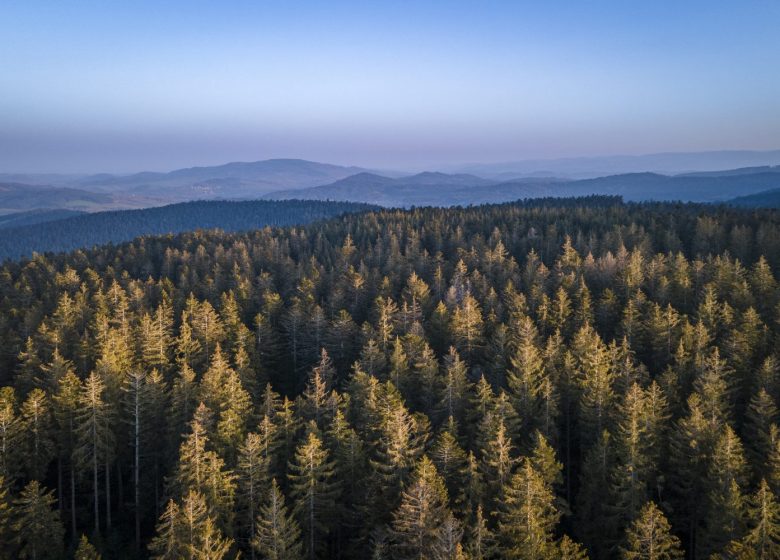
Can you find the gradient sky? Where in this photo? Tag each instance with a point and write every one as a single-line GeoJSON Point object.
{"type": "Point", "coordinates": [88, 86]}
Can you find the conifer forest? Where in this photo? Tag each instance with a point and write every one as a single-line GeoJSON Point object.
{"type": "Point", "coordinates": [548, 379]}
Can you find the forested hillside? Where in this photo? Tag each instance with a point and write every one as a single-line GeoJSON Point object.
{"type": "Point", "coordinates": [438, 189]}
{"type": "Point", "coordinates": [88, 230]}
{"type": "Point", "coordinates": [556, 379]}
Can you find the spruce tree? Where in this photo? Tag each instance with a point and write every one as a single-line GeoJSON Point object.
{"type": "Point", "coordinates": [650, 538]}
{"type": "Point", "coordinates": [277, 534]}
{"type": "Point", "coordinates": [570, 550]}
{"type": "Point", "coordinates": [38, 528]}
{"type": "Point", "coordinates": [85, 550]}
{"type": "Point", "coordinates": [526, 377]}
{"type": "Point", "coordinates": [420, 523]}
{"type": "Point", "coordinates": [253, 477]}
{"type": "Point", "coordinates": [36, 422]}
{"type": "Point", "coordinates": [10, 432]}
{"type": "Point", "coordinates": [93, 435]}
{"type": "Point", "coordinates": [527, 515]}
{"type": "Point", "coordinates": [314, 490]}
{"type": "Point", "coordinates": [763, 537]}
{"type": "Point", "coordinates": [6, 536]}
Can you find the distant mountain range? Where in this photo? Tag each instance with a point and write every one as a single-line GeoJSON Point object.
{"type": "Point", "coordinates": [282, 179]}
{"type": "Point", "coordinates": [142, 190]}
{"type": "Point", "coordinates": [415, 190]}
{"type": "Point", "coordinates": [88, 230]}
{"type": "Point", "coordinates": [439, 189]}
{"type": "Point", "coordinates": [672, 163]}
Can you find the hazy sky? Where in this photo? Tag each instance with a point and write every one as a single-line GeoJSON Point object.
{"type": "Point", "coordinates": [89, 86]}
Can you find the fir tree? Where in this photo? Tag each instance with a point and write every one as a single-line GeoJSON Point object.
{"type": "Point", "coordinates": [39, 531]}
{"type": "Point", "coordinates": [85, 550]}
{"type": "Point", "coordinates": [94, 436]}
{"type": "Point", "coordinates": [420, 523]}
{"type": "Point", "coordinates": [527, 515]}
{"type": "Point", "coordinates": [650, 537]}
{"type": "Point", "coordinates": [314, 491]}
{"type": "Point", "coordinates": [277, 534]}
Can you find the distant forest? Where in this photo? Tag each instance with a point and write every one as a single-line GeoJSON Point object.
{"type": "Point", "coordinates": [556, 379]}
{"type": "Point", "coordinates": [88, 230]}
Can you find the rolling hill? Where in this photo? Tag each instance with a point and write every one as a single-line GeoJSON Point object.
{"type": "Point", "coordinates": [764, 199]}
{"type": "Point", "coordinates": [671, 163]}
{"type": "Point", "coordinates": [438, 189]}
{"type": "Point", "coordinates": [99, 228]}
{"type": "Point", "coordinates": [423, 189]}
{"type": "Point", "coordinates": [17, 197]}
{"type": "Point", "coordinates": [232, 180]}
{"type": "Point", "coordinates": [32, 217]}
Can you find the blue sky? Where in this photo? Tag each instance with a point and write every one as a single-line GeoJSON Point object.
{"type": "Point", "coordinates": [89, 86]}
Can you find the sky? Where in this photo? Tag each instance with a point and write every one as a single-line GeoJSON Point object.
{"type": "Point", "coordinates": [122, 86]}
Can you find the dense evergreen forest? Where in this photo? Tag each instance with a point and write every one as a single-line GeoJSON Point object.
{"type": "Point", "coordinates": [554, 379]}
{"type": "Point", "coordinates": [87, 230]}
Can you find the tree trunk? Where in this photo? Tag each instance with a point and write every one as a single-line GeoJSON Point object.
{"type": "Point", "coordinates": [73, 499]}
{"type": "Point", "coordinates": [95, 486]}
{"type": "Point", "coordinates": [108, 495]}
{"type": "Point", "coordinates": [136, 473]}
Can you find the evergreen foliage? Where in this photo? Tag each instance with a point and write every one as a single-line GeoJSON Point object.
{"type": "Point", "coordinates": [550, 379]}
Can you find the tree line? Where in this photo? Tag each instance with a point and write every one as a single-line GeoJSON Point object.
{"type": "Point", "coordinates": [551, 379]}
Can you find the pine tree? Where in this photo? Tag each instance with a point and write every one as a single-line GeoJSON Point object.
{"type": "Point", "coordinates": [592, 509]}
{"type": "Point", "coordinates": [253, 476]}
{"type": "Point", "coordinates": [135, 406]}
{"type": "Point", "coordinates": [481, 543]}
{"type": "Point", "coordinates": [596, 379]}
{"type": "Point", "coordinates": [498, 460]}
{"type": "Point", "coordinates": [763, 537]}
{"type": "Point", "coordinates": [452, 463]}
{"type": "Point", "coordinates": [399, 365]}
{"type": "Point", "coordinates": [350, 472]}
{"type": "Point", "coordinates": [726, 479]}
{"type": "Point", "coordinates": [317, 391]}
{"type": "Point", "coordinates": [10, 431]}
{"type": "Point", "coordinates": [85, 550]}
{"type": "Point", "coordinates": [419, 523]}
{"type": "Point", "coordinates": [527, 377]}
{"type": "Point", "coordinates": [38, 528]}
{"type": "Point", "coordinates": [650, 537]}
{"type": "Point", "coordinates": [386, 312]}
{"type": "Point", "coordinates": [93, 435]}
{"type": "Point", "coordinates": [202, 470]}
{"type": "Point", "coordinates": [189, 352]}
{"type": "Point", "coordinates": [313, 488]}
{"type": "Point", "coordinates": [207, 326]}
{"type": "Point", "coordinates": [36, 422]}
{"type": "Point", "coordinates": [761, 415]}
{"type": "Point", "coordinates": [66, 404]}
{"type": "Point", "coordinates": [156, 333]}
{"type": "Point", "coordinates": [222, 392]}
{"type": "Point", "coordinates": [6, 536]}
{"type": "Point", "coordinates": [692, 445]}
{"type": "Point", "coordinates": [633, 468]}
{"type": "Point", "coordinates": [396, 449]}
{"type": "Point", "coordinates": [570, 550]}
{"type": "Point", "coordinates": [277, 534]}
{"type": "Point", "coordinates": [183, 402]}
{"type": "Point", "coordinates": [27, 376]}
{"type": "Point", "coordinates": [189, 531]}
{"type": "Point", "coordinates": [167, 545]}
{"type": "Point", "coordinates": [467, 327]}
{"type": "Point", "coordinates": [527, 516]}
{"type": "Point", "coordinates": [422, 388]}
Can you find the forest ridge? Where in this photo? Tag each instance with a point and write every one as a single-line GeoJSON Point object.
{"type": "Point", "coordinates": [568, 379]}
